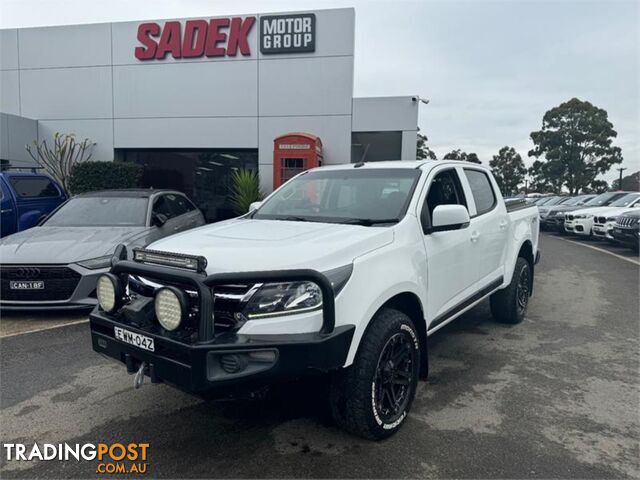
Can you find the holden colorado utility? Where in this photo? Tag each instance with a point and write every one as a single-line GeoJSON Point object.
{"type": "Point", "coordinates": [344, 270]}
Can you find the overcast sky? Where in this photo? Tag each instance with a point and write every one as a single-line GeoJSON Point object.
{"type": "Point", "coordinates": [490, 69]}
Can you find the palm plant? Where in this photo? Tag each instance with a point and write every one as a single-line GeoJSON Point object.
{"type": "Point", "coordinates": [245, 190]}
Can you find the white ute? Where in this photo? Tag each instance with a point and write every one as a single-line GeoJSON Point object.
{"type": "Point", "coordinates": [344, 270]}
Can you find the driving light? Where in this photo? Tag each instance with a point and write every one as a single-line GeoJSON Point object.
{"type": "Point", "coordinates": [95, 263]}
{"type": "Point", "coordinates": [170, 304]}
{"type": "Point", "coordinates": [169, 259]}
{"type": "Point", "coordinates": [109, 292]}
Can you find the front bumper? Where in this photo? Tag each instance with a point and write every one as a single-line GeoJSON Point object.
{"type": "Point", "coordinates": [198, 365]}
{"type": "Point", "coordinates": [579, 226]}
{"type": "Point", "coordinates": [197, 369]}
{"type": "Point", "coordinates": [627, 236]}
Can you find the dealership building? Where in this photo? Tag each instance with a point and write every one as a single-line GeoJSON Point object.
{"type": "Point", "coordinates": [193, 99]}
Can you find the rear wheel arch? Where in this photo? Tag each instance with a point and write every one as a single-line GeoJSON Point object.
{"type": "Point", "coordinates": [526, 252]}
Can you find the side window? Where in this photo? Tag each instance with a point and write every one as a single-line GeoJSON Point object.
{"type": "Point", "coordinates": [161, 206]}
{"type": "Point", "coordinates": [33, 187]}
{"type": "Point", "coordinates": [482, 190]}
{"type": "Point", "coordinates": [180, 204]}
{"type": "Point", "coordinates": [445, 189]}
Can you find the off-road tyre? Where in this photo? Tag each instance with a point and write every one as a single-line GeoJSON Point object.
{"type": "Point", "coordinates": [360, 397]}
{"type": "Point", "coordinates": [509, 305]}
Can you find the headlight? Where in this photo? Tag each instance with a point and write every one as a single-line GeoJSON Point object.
{"type": "Point", "coordinates": [170, 304]}
{"type": "Point", "coordinates": [95, 263]}
{"type": "Point", "coordinates": [277, 299]}
{"type": "Point", "coordinates": [612, 219]}
{"type": "Point", "coordinates": [274, 299]}
{"type": "Point", "coordinates": [110, 292]}
{"type": "Point", "coordinates": [582, 216]}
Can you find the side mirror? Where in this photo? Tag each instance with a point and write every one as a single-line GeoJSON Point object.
{"type": "Point", "coordinates": [254, 206]}
{"type": "Point", "coordinates": [158, 219]}
{"type": "Point", "coordinates": [449, 217]}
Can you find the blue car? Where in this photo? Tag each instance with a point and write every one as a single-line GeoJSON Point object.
{"type": "Point", "coordinates": [25, 198]}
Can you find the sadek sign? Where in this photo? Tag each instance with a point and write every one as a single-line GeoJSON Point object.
{"type": "Point", "coordinates": [225, 37]}
{"type": "Point", "coordinates": [217, 37]}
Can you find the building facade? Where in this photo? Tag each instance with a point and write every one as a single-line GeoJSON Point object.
{"type": "Point", "coordinates": [192, 99]}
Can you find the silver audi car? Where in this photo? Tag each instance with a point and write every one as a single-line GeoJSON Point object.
{"type": "Point", "coordinates": [55, 265]}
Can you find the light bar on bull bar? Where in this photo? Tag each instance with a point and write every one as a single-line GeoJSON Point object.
{"type": "Point", "coordinates": [168, 259]}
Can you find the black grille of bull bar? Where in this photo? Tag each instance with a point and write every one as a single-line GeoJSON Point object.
{"type": "Point", "coordinates": [59, 283]}
{"type": "Point", "coordinates": [228, 303]}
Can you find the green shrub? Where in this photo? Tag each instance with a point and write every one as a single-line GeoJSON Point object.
{"type": "Point", "coordinates": [245, 190]}
{"type": "Point", "coordinates": [92, 176]}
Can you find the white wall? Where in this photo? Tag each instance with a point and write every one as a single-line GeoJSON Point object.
{"type": "Point", "coordinates": [85, 79]}
{"type": "Point", "coordinates": [384, 114]}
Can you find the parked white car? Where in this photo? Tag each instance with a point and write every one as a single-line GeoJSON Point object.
{"type": "Point", "coordinates": [605, 218]}
{"type": "Point", "coordinates": [344, 270]}
{"type": "Point", "coordinates": [580, 222]}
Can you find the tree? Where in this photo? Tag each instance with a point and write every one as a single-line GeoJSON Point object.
{"type": "Point", "coordinates": [576, 143]}
{"type": "Point", "coordinates": [60, 158]}
{"type": "Point", "coordinates": [508, 169]}
{"type": "Point", "coordinates": [630, 182]}
{"type": "Point", "coordinates": [423, 151]}
{"type": "Point", "coordinates": [596, 186]}
{"type": "Point", "coordinates": [460, 155]}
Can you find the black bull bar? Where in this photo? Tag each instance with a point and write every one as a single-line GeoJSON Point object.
{"type": "Point", "coordinates": [205, 286]}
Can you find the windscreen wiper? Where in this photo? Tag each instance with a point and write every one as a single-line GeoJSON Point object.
{"type": "Point", "coordinates": [367, 222]}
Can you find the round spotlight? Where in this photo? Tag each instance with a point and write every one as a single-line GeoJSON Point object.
{"type": "Point", "coordinates": [109, 292]}
{"type": "Point", "coordinates": [170, 304]}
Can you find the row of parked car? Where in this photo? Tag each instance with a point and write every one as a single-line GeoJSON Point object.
{"type": "Point", "coordinates": [612, 216]}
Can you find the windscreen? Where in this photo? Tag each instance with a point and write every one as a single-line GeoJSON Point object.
{"type": "Point", "coordinates": [360, 195]}
{"type": "Point", "coordinates": [626, 200]}
{"type": "Point", "coordinates": [555, 201]}
{"type": "Point", "coordinates": [100, 212]}
{"type": "Point", "coordinates": [603, 199]}
{"type": "Point", "coordinates": [545, 201]}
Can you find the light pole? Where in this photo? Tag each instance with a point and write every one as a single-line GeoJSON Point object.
{"type": "Point", "coordinates": [621, 169]}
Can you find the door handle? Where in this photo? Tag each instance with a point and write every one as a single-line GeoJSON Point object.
{"type": "Point", "coordinates": [6, 210]}
{"type": "Point", "coordinates": [503, 224]}
{"type": "Point", "coordinates": [475, 236]}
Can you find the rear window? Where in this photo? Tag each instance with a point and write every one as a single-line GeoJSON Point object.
{"type": "Point", "coordinates": [482, 191]}
{"type": "Point", "coordinates": [33, 187]}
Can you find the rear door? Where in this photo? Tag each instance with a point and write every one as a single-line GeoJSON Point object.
{"type": "Point", "coordinates": [7, 211]}
{"type": "Point", "coordinates": [489, 226]}
{"type": "Point", "coordinates": [449, 266]}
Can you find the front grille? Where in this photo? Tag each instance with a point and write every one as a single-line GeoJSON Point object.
{"type": "Point", "coordinates": [626, 221]}
{"type": "Point", "coordinates": [601, 220]}
{"type": "Point", "coordinates": [228, 302]}
{"type": "Point", "coordinates": [59, 283]}
{"type": "Point", "coordinates": [569, 217]}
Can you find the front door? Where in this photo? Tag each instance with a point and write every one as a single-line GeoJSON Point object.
{"type": "Point", "coordinates": [450, 267]}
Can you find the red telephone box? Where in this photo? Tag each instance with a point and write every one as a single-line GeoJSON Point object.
{"type": "Point", "coordinates": [293, 153]}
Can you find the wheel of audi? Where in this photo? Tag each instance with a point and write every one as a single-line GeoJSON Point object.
{"type": "Point", "coordinates": [372, 397]}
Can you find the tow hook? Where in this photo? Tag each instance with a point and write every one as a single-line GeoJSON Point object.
{"type": "Point", "coordinates": [139, 378]}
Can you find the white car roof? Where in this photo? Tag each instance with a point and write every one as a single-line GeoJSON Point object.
{"type": "Point", "coordinates": [407, 164]}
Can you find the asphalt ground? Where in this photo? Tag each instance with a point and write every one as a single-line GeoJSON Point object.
{"type": "Point", "coordinates": [557, 396]}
